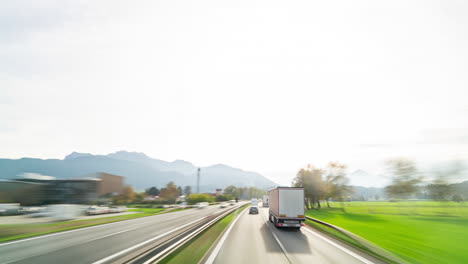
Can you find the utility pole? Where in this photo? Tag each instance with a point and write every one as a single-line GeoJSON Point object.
{"type": "Point", "coordinates": [198, 180]}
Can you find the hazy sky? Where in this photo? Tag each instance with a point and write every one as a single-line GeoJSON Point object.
{"type": "Point", "coordinates": [267, 86]}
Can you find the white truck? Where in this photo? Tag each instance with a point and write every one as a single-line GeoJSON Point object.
{"type": "Point", "coordinates": [265, 201]}
{"type": "Point", "coordinates": [254, 202]}
{"type": "Point", "coordinates": [286, 206]}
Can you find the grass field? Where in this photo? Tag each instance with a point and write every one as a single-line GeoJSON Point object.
{"type": "Point", "coordinates": [416, 231]}
{"type": "Point", "coordinates": [193, 251]}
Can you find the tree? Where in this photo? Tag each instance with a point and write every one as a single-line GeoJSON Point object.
{"type": "Point", "coordinates": [169, 193]}
{"type": "Point", "coordinates": [139, 197]}
{"type": "Point", "coordinates": [153, 191]}
{"type": "Point", "coordinates": [405, 179]}
{"type": "Point", "coordinates": [198, 198]}
{"type": "Point", "coordinates": [179, 189]}
{"type": "Point", "coordinates": [232, 190]}
{"type": "Point", "coordinates": [127, 196]}
{"type": "Point", "coordinates": [457, 198]}
{"type": "Point", "coordinates": [310, 178]}
{"type": "Point", "coordinates": [224, 197]}
{"type": "Point", "coordinates": [187, 190]}
{"type": "Point", "coordinates": [438, 190]}
{"type": "Point", "coordinates": [336, 182]}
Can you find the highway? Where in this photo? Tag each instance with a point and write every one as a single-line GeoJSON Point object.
{"type": "Point", "coordinates": [255, 240]}
{"type": "Point", "coordinates": [98, 244]}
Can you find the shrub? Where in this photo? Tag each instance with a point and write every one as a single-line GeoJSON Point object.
{"type": "Point", "coordinates": [198, 198]}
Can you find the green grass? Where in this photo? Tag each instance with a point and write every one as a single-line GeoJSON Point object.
{"type": "Point", "coordinates": [194, 250]}
{"type": "Point", "coordinates": [13, 232]}
{"type": "Point", "coordinates": [349, 240]}
{"type": "Point", "coordinates": [147, 210]}
{"type": "Point", "coordinates": [416, 231]}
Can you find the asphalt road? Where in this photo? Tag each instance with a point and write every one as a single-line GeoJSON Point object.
{"type": "Point", "coordinates": [255, 240]}
{"type": "Point", "coordinates": [27, 219]}
{"type": "Point", "coordinates": [89, 245]}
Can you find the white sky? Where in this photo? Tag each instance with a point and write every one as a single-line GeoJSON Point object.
{"type": "Point", "coordinates": [267, 86]}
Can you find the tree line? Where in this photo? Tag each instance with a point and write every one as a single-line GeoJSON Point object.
{"type": "Point", "coordinates": [166, 195]}
{"type": "Point", "coordinates": [407, 181]}
{"type": "Point", "coordinates": [171, 192]}
{"type": "Point", "coordinates": [323, 184]}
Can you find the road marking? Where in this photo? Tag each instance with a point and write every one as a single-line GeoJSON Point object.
{"type": "Point", "coordinates": [69, 246]}
{"type": "Point", "coordinates": [80, 229]}
{"type": "Point", "coordinates": [144, 243]}
{"type": "Point", "coordinates": [276, 238]}
{"type": "Point", "coordinates": [83, 242]}
{"type": "Point", "coordinates": [216, 250]}
{"type": "Point", "coordinates": [340, 247]}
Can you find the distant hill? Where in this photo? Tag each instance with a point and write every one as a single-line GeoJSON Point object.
{"type": "Point", "coordinates": [139, 170]}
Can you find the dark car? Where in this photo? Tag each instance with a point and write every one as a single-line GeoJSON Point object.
{"type": "Point", "coordinates": [253, 210]}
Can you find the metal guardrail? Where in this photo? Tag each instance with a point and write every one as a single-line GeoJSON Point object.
{"type": "Point", "coordinates": [157, 252]}
{"type": "Point", "coordinates": [378, 251]}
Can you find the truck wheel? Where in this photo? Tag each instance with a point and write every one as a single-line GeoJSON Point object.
{"type": "Point", "coordinates": [271, 221]}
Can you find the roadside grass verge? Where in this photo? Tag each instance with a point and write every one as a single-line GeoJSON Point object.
{"type": "Point", "coordinates": [13, 232]}
{"type": "Point", "coordinates": [147, 210]}
{"type": "Point", "coordinates": [417, 232]}
{"type": "Point", "coordinates": [348, 240]}
{"type": "Point", "coordinates": [194, 250]}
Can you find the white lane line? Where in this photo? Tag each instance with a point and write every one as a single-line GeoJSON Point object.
{"type": "Point", "coordinates": [340, 247]}
{"type": "Point", "coordinates": [76, 244]}
{"type": "Point", "coordinates": [143, 243]}
{"type": "Point", "coordinates": [277, 240]}
{"type": "Point", "coordinates": [80, 229]}
{"type": "Point", "coordinates": [83, 242]}
{"type": "Point", "coordinates": [216, 250]}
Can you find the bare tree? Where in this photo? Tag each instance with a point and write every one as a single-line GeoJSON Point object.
{"type": "Point", "coordinates": [405, 178]}
{"type": "Point", "coordinates": [336, 182]}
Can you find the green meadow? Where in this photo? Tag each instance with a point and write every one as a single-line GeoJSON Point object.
{"type": "Point", "coordinates": [416, 231]}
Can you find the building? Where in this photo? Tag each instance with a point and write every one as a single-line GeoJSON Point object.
{"type": "Point", "coordinates": [109, 183]}
{"type": "Point", "coordinates": [219, 192]}
{"type": "Point", "coordinates": [25, 193]}
{"type": "Point", "coordinates": [40, 189]}
{"type": "Point", "coordinates": [55, 191]}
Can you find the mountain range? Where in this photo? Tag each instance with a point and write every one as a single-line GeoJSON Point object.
{"type": "Point", "coordinates": [139, 170]}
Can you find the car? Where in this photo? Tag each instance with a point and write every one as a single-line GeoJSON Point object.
{"type": "Point", "coordinates": [96, 210]}
{"type": "Point", "coordinates": [117, 209]}
{"type": "Point", "coordinates": [92, 210]}
{"type": "Point", "coordinates": [253, 210]}
{"type": "Point", "coordinates": [201, 205]}
{"type": "Point", "coordinates": [32, 209]}
{"type": "Point", "coordinates": [42, 213]}
{"type": "Point", "coordinates": [182, 205]}
{"type": "Point", "coordinates": [223, 205]}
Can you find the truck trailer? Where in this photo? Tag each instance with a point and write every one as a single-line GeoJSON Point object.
{"type": "Point", "coordinates": [286, 206]}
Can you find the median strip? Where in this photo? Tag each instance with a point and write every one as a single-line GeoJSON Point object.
{"type": "Point", "coordinates": [144, 243]}
{"type": "Point", "coordinates": [195, 249]}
